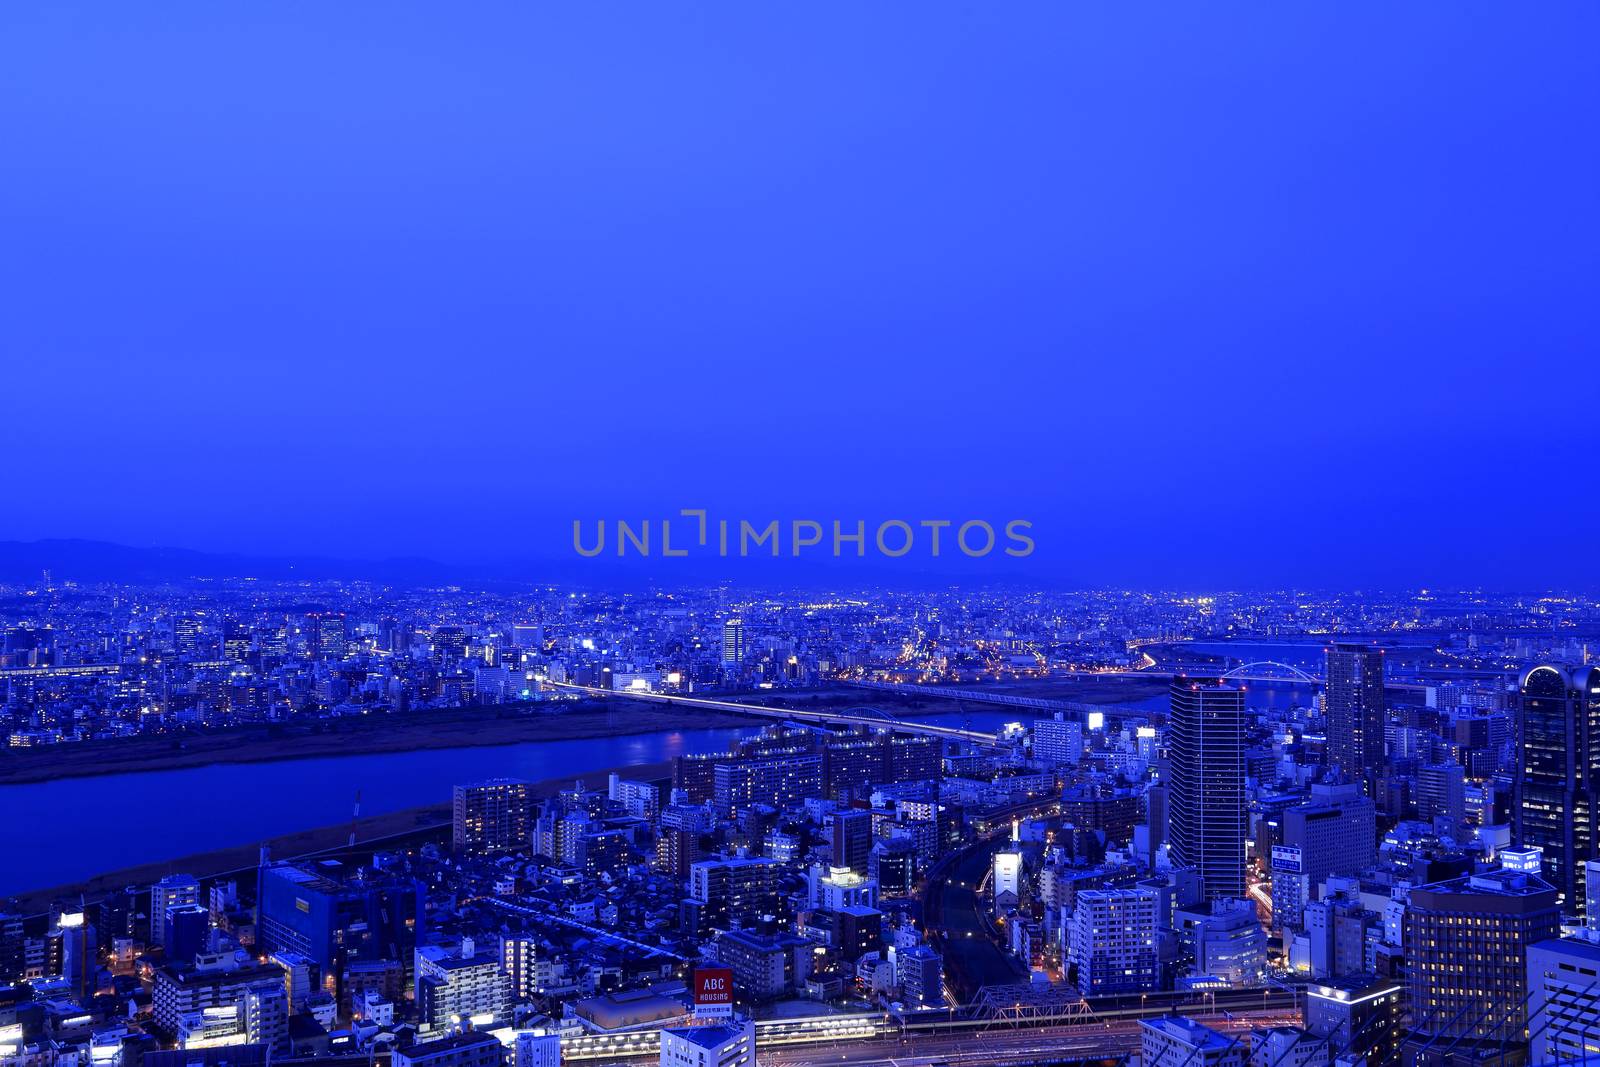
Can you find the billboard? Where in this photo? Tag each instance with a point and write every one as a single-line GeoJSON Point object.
{"type": "Point", "coordinates": [713, 993]}
{"type": "Point", "coordinates": [1286, 858]}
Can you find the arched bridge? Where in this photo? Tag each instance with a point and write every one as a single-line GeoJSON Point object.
{"type": "Point", "coordinates": [1270, 670]}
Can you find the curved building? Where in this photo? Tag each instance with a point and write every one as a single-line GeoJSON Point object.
{"type": "Point", "coordinates": [1558, 787]}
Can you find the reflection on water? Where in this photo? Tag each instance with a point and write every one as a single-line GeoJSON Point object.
{"type": "Point", "coordinates": [124, 820]}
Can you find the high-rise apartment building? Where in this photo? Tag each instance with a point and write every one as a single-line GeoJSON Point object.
{"type": "Point", "coordinates": [1111, 940]}
{"type": "Point", "coordinates": [173, 890]}
{"type": "Point", "coordinates": [492, 816]}
{"type": "Point", "coordinates": [733, 893]}
{"type": "Point", "coordinates": [1354, 704]}
{"type": "Point", "coordinates": [460, 984]}
{"type": "Point", "coordinates": [1207, 803]}
{"type": "Point", "coordinates": [733, 642]}
{"type": "Point", "coordinates": [1058, 740]}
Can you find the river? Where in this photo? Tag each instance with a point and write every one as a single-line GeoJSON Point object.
{"type": "Point", "coordinates": [54, 833]}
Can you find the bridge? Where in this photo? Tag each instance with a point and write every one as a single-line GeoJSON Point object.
{"type": "Point", "coordinates": [1258, 671]}
{"type": "Point", "coordinates": [852, 716]}
{"type": "Point", "coordinates": [1264, 671]}
{"type": "Point", "coordinates": [990, 696]}
{"type": "Point", "coordinates": [1271, 670]}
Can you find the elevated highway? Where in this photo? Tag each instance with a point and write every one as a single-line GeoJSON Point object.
{"type": "Point", "coordinates": [853, 717]}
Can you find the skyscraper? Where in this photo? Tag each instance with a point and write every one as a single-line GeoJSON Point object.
{"type": "Point", "coordinates": [1207, 789]}
{"type": "Point", "coordinates": [325, 635]}
{"type": "Point", "coordinates": [1355, 711]}
{"type": "Point", "coordinates": [733, 642]}
{"type": "Point", "coordinates": [1558, 791]}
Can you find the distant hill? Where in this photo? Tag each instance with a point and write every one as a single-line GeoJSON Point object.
{"type": "Point", "coordinates": [22, 562]}
{"type": "Point", "coordinates": [86, 562]}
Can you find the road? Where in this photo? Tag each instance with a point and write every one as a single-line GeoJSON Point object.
{"type": "Point", "coordinates": [787, 714]}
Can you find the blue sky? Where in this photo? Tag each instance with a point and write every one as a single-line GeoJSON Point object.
{"type": "Point", "coordinates": [1214, 294]}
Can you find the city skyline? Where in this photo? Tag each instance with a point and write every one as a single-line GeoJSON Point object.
{"type": "Point", "coordinates": [728, 535]}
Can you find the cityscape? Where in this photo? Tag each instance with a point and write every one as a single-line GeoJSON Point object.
{"type": "Point", "coordinates": [720, 534]}
{"type": "Point", "coordinates": [960, 826]}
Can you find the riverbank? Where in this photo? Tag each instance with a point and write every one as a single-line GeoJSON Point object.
{"type": "Point", "coordinates": [492, 725]}
{"type": "Point", "coordinates": [408, 828]}
{"type": "Point", "coordinates": [469, 727]}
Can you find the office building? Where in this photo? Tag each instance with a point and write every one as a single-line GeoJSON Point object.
{"type": "Point", "coordinates": [1441, 792]}
{"type": "Point", "coordinates": [892, 864]}
{"type": "Point", "coordinates": [853, 931]}
{"type": "Point", "coordinates": [852, 839]}
{"type": "Point", "coordinates": [1226, 940]}
{"type": "Point", "coordinates": [1360, 1015]}
{"type": "Point", "coordinates": [536, 1048]}
{"type": "Point", "coordinates": [1288, 1046]}
{"type": "Point", "coordinates": [1176, 1041]}
{"type": "Point", "coordinates": [1333, 937]}
{"type": "Point", "coordinates": [1466, 944]}
{"type": "Point", "coordinates": [325, 635]}
{"type": "Point", "coordinates": [1558, 789]}
{"type": "Point", "coordinates": [731, 1045]}
{"type": "Point", "coordinates": [185, 931]}
{"type": "Point", "coordinates": [1564, 999]}
{"type": "Point", "coordinates": [331, 923]}
{"type": "Point", "coordinates": [1334, 833]}
{"type": "Point", "coordinates": [1591, 895]}
{"type": "Point", "coordinates": [1206, 798]}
